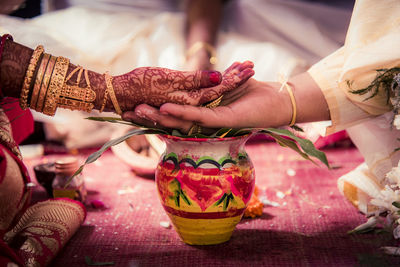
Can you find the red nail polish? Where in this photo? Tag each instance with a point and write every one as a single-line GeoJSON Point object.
{"type": "Point", "coordinates": [215, 77]}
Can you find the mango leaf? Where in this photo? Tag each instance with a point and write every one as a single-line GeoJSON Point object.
{"type": "Point", "coordinates": [114, 120]}
{"type": "Point", "coordinates": [244, 131]}
{"type": "Point", "coordinates": [290, 144]}
{"type": "Point", "coordinates": [225, 134]}
{"type": "Point", "coordinates": [283, 137]}
{"type": "Point", "coordinates": [297, 128]}
{"type": "Point", "coordinates": [396, 204]}
{"type": "Point", "coordinates": [220, 132]}
{"type": "Point", "coordinates": [305, 144]}
{"type": "Point", "coordinates": [95, 155]}
{"type": "Point", "coordinates": [176, 133]}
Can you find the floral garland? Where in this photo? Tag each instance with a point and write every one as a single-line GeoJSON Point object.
{"type": "Point", "coordinates": [387, 215]}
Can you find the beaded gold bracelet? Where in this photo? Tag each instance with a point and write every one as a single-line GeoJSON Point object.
{"type": "Point", "coordinates": [111, 93]}
{"type": "Point", "coordinates": [23, 100]}
{"type": "Point", "coordinates": [103, 105]}
{"type": "Point", "coordinates": [56, 83]}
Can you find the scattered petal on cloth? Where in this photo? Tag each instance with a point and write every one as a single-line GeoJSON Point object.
{"type": "Point", "coordinates": [97, 204]}
{"type": "Point", "coordinates": [165, 224]}
{"type": "Point", "coordinates": [290, 172]}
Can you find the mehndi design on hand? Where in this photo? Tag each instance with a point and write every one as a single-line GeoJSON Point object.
{"type": "Point", "coordinates": [156, 86]}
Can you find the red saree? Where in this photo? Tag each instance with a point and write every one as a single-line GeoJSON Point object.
{"type": "Point", "coordinates": [29, 235]}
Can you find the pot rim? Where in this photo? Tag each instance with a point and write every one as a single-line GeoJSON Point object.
{"type": "Point", "coordinates": [204, 139]}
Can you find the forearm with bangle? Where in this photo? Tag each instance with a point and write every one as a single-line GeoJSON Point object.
{"type": "Point", "coordinates": [307, 100]}
{"type": "Point", "coordinates": [44, 82]}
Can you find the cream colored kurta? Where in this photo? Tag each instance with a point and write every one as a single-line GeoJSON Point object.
{"type": "Point", "coordinates": [372, 42]}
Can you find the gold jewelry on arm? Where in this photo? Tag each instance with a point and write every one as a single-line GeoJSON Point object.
{"type": "Point", "coordinates": [203, 45]}
{"type": "Point", "coordinates": [56, 83]}
{"type": "Point", "coordinates": [44, 85]}
{"type": "Point", "coordinates": [194, 129]}
{"type": "Point", "coordinates": [74, 97]}
{"type": "Point", "coordinates": [292, 100]}
{"type": "Point", "coordinates": [215, 103]}
{"type": "Point", "coordinates": [103, 105]}
{"type": "Point", "coordinates": [197, 128]}
{"type": "Point", "coordinates": [38, 80]}
{"type": "Point", "coordinates": [26, 86]}
{"type": "Point", "coordinates": [111, 92]}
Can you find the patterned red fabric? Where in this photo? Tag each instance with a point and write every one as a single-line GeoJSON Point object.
{"type": "Point", "coordinates": [308, 228]}
{"type": "Point", "coordinates": [30, 235]}
{"type": "Point", "coordinates": [21, 121]}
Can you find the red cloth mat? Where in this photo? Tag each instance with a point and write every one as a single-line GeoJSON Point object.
{"type": "Point", "coordinates": [308, 228]}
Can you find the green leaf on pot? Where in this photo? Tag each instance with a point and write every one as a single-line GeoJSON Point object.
{"type": "Point", "coordinates": [305, 144]}
{"type": "Point", "coordinates": [283, 137]}
{"type": "Point", "coordinates": [176, 133]}
{"type": "Point", "coordinates": [221, 131]}
{"type": "Point", "coordinates": [297, 128]}
{"type": "Point", "coordinates": [396, 204]}
{"type": "Point", "coordinates": [95, 155]}
{"type": "Point", "coordinates": [290, 144]}
{"type": "Point", "coordinates": [113, 120]}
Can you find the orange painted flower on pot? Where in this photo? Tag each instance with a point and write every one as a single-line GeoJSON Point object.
{"type": "Point", "coordinates": [205, 182]}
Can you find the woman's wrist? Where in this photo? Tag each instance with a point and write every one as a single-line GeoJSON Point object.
{"type": "Point", "coordinates": [98, 84]}
{"type": "Point", "coordinates": [310, 101]}
{"type": "Point", "coordinates": [13, 71]}
{"type": "Point", "coordinates": [281, 106]}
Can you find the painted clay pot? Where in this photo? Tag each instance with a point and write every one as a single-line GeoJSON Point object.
{"type": "Point", "coordinates": [204, 186]}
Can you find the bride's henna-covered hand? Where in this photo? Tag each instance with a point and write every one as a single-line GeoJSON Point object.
{"type": "Point", "coordinates": [156, 86]}
{"type": "Point", "coordinates": [231, 84]}
{"type": "Point", "coordinates": [153, 86]}
{"type": "Point", "coordinates": [254, 104]}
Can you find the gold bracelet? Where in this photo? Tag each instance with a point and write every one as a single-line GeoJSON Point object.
{"type": "Point", "coordinates": [74, 97]}
{"type": "Point", "coordinates": [23, 100]}
{"type": "Point", "coordinates": [72, 73]}
{"type": "Point", "coordinates": [200, 45]}
{"type": "Point", "coordinates": [215, 103]}
{"type": "Point", "coordinates": [56, 84]}
{"type": "Point", "coordinates": [45, 83]}
{"type": "Point", "coordinates": [38, 80]}
{"type": "Point", "coordinates": [103, 105]}
{"type": "Point", "coordinates": [197, 128]}
{"type": "Point", "coordinates": [293, 100]}
{"type": "Point", "coordinates": [111, 92]}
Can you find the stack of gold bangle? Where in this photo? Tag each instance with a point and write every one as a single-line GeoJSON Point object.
{"type": "Point", "coordinates": [23, 100]}
{"type": "Point", "coordinates": [49, 88]}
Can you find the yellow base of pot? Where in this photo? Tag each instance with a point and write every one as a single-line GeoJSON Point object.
{"type": "Point", "coordinates": [204, 231]}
